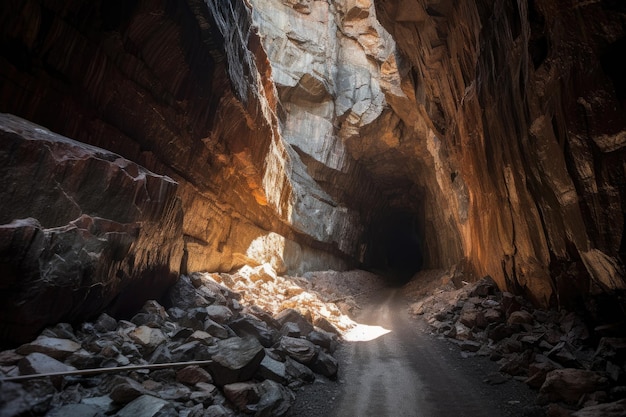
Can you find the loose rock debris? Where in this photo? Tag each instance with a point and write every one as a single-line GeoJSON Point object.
{"type": "Point", "coordinates": [260, 337]}
{"type": "Point", "coordinates": [576, 370]}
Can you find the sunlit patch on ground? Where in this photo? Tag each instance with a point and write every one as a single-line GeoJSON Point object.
{"type": "Point", "coordinates": [364, 333]}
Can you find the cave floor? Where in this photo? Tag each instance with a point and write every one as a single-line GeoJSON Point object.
{"type": "Point", "coordinates": [409, 372]}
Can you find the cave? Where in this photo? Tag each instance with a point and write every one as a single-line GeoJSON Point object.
{"type": "Point", "coordinates": [389, 165]}
{"type": "Point", "coordinates": [396, 248]}
{"type": "Point", "coordinates": [147, 140]}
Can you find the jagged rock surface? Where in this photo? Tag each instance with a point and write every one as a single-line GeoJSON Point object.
{"type": "Point", "coordinates": [554, 352]}
{"type": "Point", "coordinates": [526, 126]}
{"type": "Point", "coordinates": [299, 135]}
{"type": "Point", "coordinates": [243, 376]}
{"type": "Point", "coordinates": [89, 230]}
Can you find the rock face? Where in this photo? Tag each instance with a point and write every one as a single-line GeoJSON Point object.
{"type": "Point", "coordinates": [525, 123]}
{"type": "Point", "coordinates": [300, 134]}
{"type": "Point", "coordinates": [89, 230]}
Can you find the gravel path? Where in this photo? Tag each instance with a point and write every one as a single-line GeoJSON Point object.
{"type": "Point", "coordinates": [409, 372]}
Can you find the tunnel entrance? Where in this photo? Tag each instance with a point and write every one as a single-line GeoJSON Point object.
{"type": "Point", "coordinates": [397, 246]}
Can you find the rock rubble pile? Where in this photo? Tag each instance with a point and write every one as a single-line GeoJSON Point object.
{"type": "Point", "coordinates": [578, 371]}
{"type": "Point", "coordinates": [262, 336]}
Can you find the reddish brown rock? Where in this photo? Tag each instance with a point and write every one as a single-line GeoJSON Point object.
{"type": "Point", "coordinates": [570, 384]}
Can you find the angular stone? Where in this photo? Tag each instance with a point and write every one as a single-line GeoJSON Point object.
{"type": "Point", "coordinates": [183, 295]}
{"type": "Point", "coordinates": [191, 375]}
{"type": "Point", "coordinates": [174, 392]}
{"type": "Point", "coordinates": [217, 410]}
{"type": "Point", "coordinates": [125, 390]}
{"type": "Point", "coordinates": [299, 349]}
{"type": "Point", "coordinates": [492, 315]}
{"type": "Point", "coordinates": [215, 329]}
{"type": "Point", "coordinates": [299, 371]}
{"type": "Point", "coordinates": [291, 330]}
{"type": "Point", "coordinates": [38, 363]}
{"type": "Point", "coordinates": [462, 332]}
{"type": "Point", "coordinates": [325, 325]}
{"type": "Point", "coordinates": [537, 372]}
{"type": "Point", "coordinates": [16, 400]}
{"type": "Point", "coordinates": [202, 337]}
{"type": "Point", "coordinates": [325, 364]}
{"type": "Point", "coordinates": [242, 395]}
{"type": "Point", "coordinates": [520, 317]}
{"type": "Point", "coordinates": [187, 351]}
{"type": "Point", "coordinates": [293, 316]}
{"type": "Point", "coordinates": [251, 326]}
{"type": "Point", "coordinates": [104, 403]}
{"type": "Point", "coordinates": [148, 406]}
{"type": "Point", "coordinates": [473, 317]}
{"type": "Point", "coordinates": [149, 338]}
{"type": "Point", "coordinates": [486, 286]}
{"type": "Point", "coordinates": [570, 384]}
{"type": "Point", "coordinates": [54, 347]}
{"type": "Point", "coordinates": [219, 314]}
{"type": "Point", "coordinates": [323, 339]}
{"type": "Point", "coordinates": [9, 357]}
{"type": "Point", "coordinates": [470, 346]}
{"type": "Point", "coordinates": [275, 400]}
{"type": "Point", "coordinates": [105, 323]}
{"type": "Point", "coordinates": [273, 370]}
{"type": "Point", "coordinates": [235, 359]}
{"type": "Point", "coordinates": [203, 393]}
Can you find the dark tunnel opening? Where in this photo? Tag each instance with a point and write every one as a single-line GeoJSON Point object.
{"type": "Point", "coordinates": [396, 246]}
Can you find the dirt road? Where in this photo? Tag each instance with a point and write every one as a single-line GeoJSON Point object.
{"type": "Point", "coordinates": [406, 372]}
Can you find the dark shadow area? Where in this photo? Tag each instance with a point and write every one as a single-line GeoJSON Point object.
{"type": "Point", "coordinates": [396, 248]}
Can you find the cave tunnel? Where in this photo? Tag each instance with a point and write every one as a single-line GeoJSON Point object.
{"type": "Point", "coordinates": [397, 246]}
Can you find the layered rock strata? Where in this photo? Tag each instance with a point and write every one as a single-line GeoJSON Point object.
{"type": "Point", "coordinates": [526, 125]}
{"type": "Point", "coordinates": [299, 136]}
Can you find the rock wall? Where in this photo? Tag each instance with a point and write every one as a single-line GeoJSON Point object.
{"type": "Point", "coordinates": [525, 110]}
{"type": "Point", "coordinates": [300, 134]}
{"type": "Point", "coordinates": [98, 231]}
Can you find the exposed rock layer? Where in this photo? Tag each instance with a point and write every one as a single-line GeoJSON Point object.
{"type": "Point", "coordinates": [527, 126]}
{"type": "Point", "coordinates": [100, 231]}
{"type": "Point", "coordinates": [299, 136]}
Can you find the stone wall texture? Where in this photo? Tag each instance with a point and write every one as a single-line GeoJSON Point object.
{"type": "Point", "coordinates": [306, 133]}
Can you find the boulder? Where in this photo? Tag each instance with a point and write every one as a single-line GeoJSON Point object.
{"type": "Point", "coordinates": [520, 317]}
{"type": "Point", "coordinates": [191, 375]}
{"type": "Point", "coordinates": [218, 313]}
{"type": "Point", "coordinates": [570, 384]}
{"type": "Point", "coordinates": [325, 364]}
{"type": "Point", "coordinates": [292, 316]}
{"type": "Point", "coordinates": [147, 337]}
{"type": "Point", "coordinates": [125, 390]}
{"type": "Point", "coordinates": [242, 395]}
{"type": "Point", "coordinates": [251, 326]}
{"type": "Point", "coordinates": [54, 347]}
{"type": "Point", "coordinates": [275, 400]}
{"type": "Point", "coordinates": [81, 229]}
{"type": "Point", "coordinates": [235, 359]}
{"type": "Point", "coordinates": [273, 370]}
{"type": "Point", "coordinates": [299, 349]}
{"type": "Point", "coordinates": [39, 363]}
